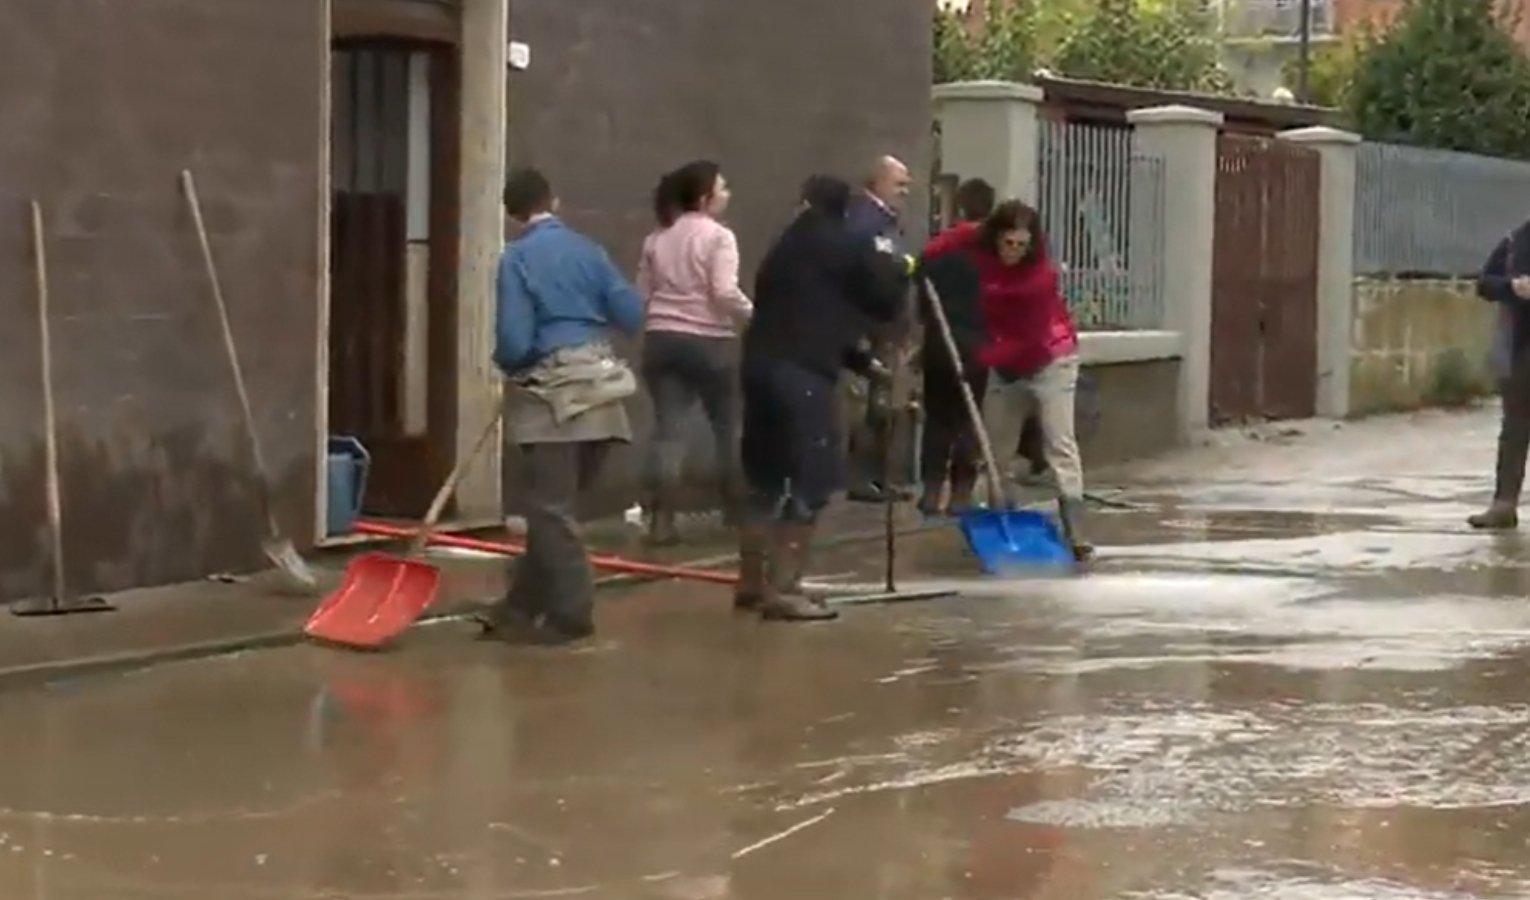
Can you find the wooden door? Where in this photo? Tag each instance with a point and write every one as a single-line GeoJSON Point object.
{"type": "Point", "coordinates": [1264, 281]}
{"type": "Point", "coordinates": [393, 263]}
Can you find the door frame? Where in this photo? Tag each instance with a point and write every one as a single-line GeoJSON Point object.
{"type": "Point", "coordinates": [420, 25]}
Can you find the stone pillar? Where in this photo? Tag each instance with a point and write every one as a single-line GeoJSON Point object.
{"type": "Point", "coordinates": [485, 57]}
{"type": "Point", "coordinates": [1336, 261]}
{"type": "Point", "coordinates": [1185, 138]}
{"type": "Point", "coordinates": [988, 130]}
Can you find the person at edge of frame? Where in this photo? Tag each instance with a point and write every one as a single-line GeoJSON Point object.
{"type": "Point", "coordinates": [1505, 280]}
{"type": "Point", "coordinates": [1032, 347]}
{"type": "Point", "coordinates": [558, 298]}
{"type": "Point", "coordinates": [875, 213]}
{"type": "Point", "coordinates": [818, 290]}
{"type": "Point", "coordinates": [688, 276]}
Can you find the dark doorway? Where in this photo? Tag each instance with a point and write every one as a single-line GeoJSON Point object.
{"type": "Point", "coordinates": [393, 261]}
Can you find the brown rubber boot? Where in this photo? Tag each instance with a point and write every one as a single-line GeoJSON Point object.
{"type": "Point", "coordinates": [788, 562]}
{"type": "Point", "coordinates": [752, 588]}
{"type": "Point", "coordinates": [1501, 515]}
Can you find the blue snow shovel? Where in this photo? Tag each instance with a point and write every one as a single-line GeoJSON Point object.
{"type": "Point", "coordinates": [1006, 541]}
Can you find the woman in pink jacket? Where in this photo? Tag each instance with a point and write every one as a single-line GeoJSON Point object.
{"type": "Point", "coordinates": [688, 276]}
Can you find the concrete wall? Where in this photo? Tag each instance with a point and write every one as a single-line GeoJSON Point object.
{"type": "Point", "coordinates": [1417, 343]}
{"type": "Point", "coordinates": [1128, 410]}
{"type": "Point", "coordinates": [1129, 395]}
{"type": "Point", "coordinates": [101, 105]}
{"type": "Point", "coordinates": [619, 92]}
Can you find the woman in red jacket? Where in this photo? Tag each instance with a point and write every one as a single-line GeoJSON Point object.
{"type": "Point", "coordinates": [1031, 346]}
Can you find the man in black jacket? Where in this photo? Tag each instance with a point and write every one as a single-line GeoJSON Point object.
{"type": "Point", "coordinates": [818, 289]}
{"type": "Point", "coordinates": [1505, 280]}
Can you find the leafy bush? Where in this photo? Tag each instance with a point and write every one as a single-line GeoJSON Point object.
{"type": "Point", "coordinates": [1446, 74]}
{"type": "Point", "coordinates": [1169, 45]}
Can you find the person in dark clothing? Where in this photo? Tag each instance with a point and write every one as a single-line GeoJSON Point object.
{"type": "Point", "coordinates": [874, 214]}
{"type": "Point", "coordinates": [559, 298]}
{"type": "Point", "coordinates": [1505, 280]}
{"type": "Point", "coordinates": [817, 289]}
{"type": "Point", "coordinates": [949, 446]}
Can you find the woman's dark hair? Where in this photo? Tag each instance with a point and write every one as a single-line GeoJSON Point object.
{"type": "Point", "coordinates": [666, 209]}
{"type": "Point", "coordinates": [1009, 216]}
{"type": "Point", "coordinates": [827, 194]}
{"type": "Point", "coordinates": [527, 193]}
{"type": "Point", "coordinates": [684, 190]}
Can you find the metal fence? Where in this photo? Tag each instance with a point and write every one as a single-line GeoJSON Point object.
{"type": "Point", "coordinates": [1102, 208]}
{"type": "Point", "coordinates": [1433, 213]}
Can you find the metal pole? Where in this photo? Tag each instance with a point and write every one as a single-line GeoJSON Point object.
{"type": "Point", "coordinates": [1304, 53]}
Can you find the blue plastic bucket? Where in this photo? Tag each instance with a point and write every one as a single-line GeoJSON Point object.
{"type": "Point", "coordinates": [346, 472]}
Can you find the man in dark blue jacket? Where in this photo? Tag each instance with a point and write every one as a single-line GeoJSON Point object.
{"type": "Point", "coordinates": [1505, 280]}
{"type": "Point", "coordinates": [874, 215]}
{"type": "Point", "coordinates": [817, 290]}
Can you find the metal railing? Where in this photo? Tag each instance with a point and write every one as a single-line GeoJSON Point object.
{"type": "Point", "coordinates": [1426, 213]}
{"type": "Point", "coordinates": [1102, 208]}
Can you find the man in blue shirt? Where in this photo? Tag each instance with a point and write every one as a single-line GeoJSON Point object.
{"type": "Point", "coordinates": [559, 297]}
{"type": "Point", "coordinates": [875, 215]}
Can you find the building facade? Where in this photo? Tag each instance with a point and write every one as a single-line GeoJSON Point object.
{"type": "Point", "coordinates": [348, 154]}
{"type": "Point", "coordinates": [1262, 37]}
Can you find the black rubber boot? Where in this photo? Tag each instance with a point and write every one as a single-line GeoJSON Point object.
{"type": "Point", "coordinates": [1508, 474]}
{"type": "Point", "coordinates": [662, 530]}
{"type": "Point", "coordinates": [662, 499]}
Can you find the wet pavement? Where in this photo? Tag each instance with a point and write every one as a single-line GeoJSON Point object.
{"type": "Point", "coordinates": [200, 619]}
{"type": "Point", "coordinates": [1293, 674]}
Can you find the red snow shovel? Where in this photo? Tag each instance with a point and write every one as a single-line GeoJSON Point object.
{"type": "Point", "coordinates": [382, 595]}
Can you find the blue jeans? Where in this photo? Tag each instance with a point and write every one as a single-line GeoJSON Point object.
{"type": "Point", "coordinates": [790, 448]}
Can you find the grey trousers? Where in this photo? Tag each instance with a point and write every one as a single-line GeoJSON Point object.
{"type": "Point", "coordinates": [553, 581]}
{"type": "Point", "coordinates": [1007, 405]}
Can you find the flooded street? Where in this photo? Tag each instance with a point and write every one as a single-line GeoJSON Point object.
{"type": "Point", "coordinates": [1278, 690]}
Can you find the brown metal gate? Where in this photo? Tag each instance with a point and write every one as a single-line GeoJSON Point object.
{"type": "Point", "coordinates": [1264, 281]}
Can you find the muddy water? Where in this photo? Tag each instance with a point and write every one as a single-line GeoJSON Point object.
{"type": "Point", "coordinates": [1274, 703]}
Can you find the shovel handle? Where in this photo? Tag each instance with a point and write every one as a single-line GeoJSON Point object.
{"type": "Point", "coordinates": [422, 536]}
{"type": "Point", "coordinates": [607, 563]}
